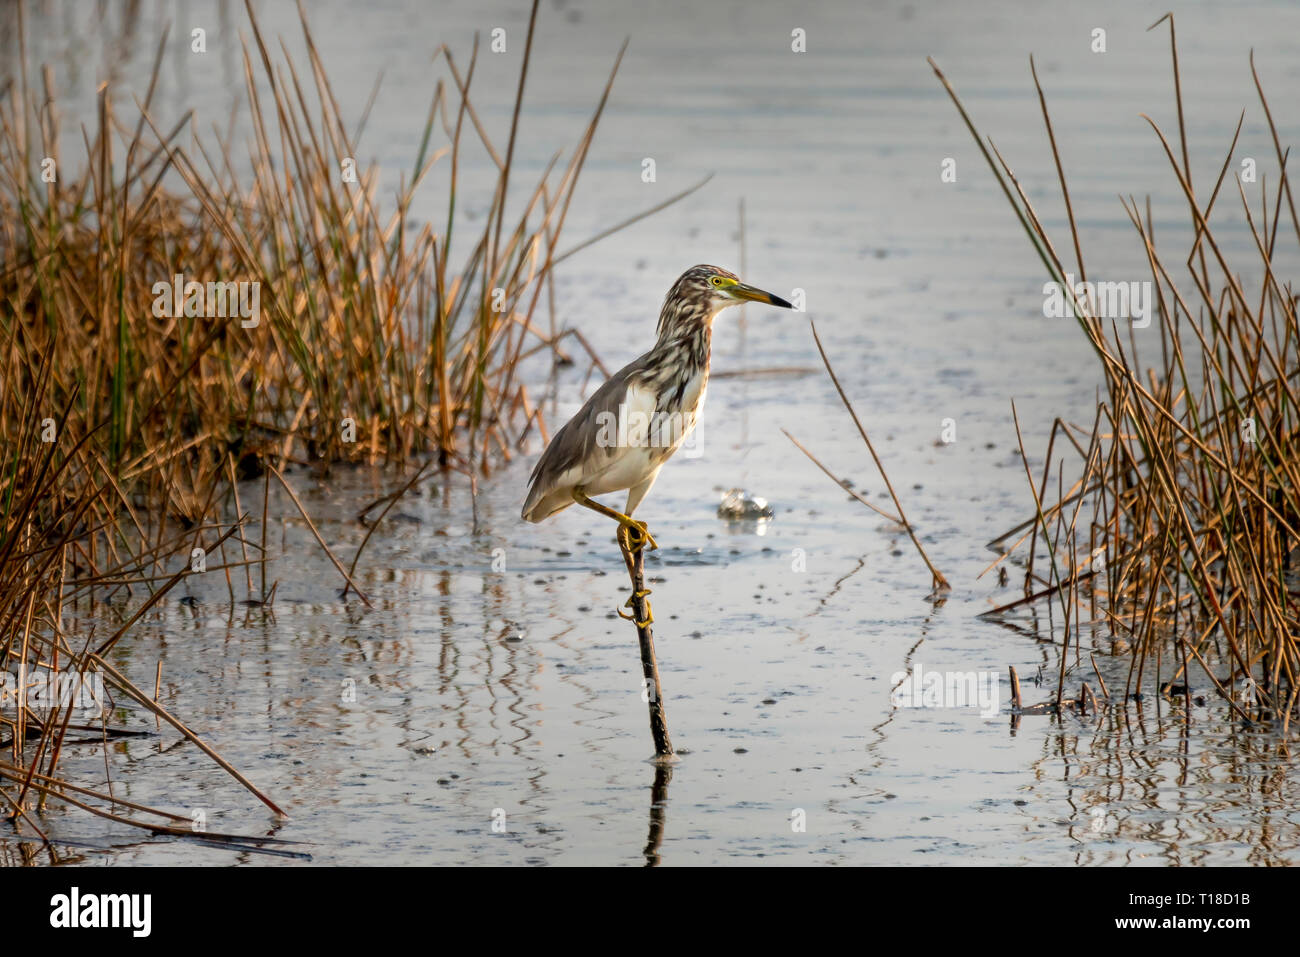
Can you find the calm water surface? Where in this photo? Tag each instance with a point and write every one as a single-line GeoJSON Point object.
{"type": "Point", "coordinates": [512, 686]}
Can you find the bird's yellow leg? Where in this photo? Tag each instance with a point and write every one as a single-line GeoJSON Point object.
{"type": "Point", "coordinates": [638, 534]}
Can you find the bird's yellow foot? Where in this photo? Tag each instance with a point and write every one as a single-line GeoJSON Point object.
{"type": "Point", "coordinates": [649, 615]}
{"type": "Point", "coordinates": [638, 536]}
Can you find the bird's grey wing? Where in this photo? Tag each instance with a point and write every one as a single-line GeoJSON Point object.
{"type": "Point", "coordinates": [576, 441]}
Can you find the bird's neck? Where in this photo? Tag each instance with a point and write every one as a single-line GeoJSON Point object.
{"type": "Point", "coordinates": [687, 349]}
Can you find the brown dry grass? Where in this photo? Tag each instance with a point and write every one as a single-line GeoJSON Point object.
{"type": "Point", "coordinates": [1176, 528]}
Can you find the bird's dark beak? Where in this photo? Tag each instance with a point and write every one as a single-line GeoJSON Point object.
{"type": "Point", "coordinates": [749, 293]}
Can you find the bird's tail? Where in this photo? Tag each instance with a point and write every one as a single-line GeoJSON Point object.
{"type": "Point", "coordinates": [538, 506]}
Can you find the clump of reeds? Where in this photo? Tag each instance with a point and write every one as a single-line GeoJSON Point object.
{"type": "Point", "coordinates": [126, 426]}
{"type": "Point", "coordinates": [370, 342]}
{"type": "Point", "coordinates": [1179, 531]}
{"type": "Point", "coordinates": [63, 537]}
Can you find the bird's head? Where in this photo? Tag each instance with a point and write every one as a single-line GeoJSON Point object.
{"type": "Point", "coordinates": [701, 293]}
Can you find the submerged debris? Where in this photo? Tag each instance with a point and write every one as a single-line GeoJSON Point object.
{"type": "Point", "coordinates": [739, 505]}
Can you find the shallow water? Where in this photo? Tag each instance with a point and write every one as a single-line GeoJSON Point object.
{"type": "Point", "coordinates": [511, 688]}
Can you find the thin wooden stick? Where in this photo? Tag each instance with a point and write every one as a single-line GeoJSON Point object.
{"type": "Point", "coordinates": [635, 561]}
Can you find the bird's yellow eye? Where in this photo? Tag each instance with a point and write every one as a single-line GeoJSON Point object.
{"type": "Point", "coordinates": [716, 280]}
